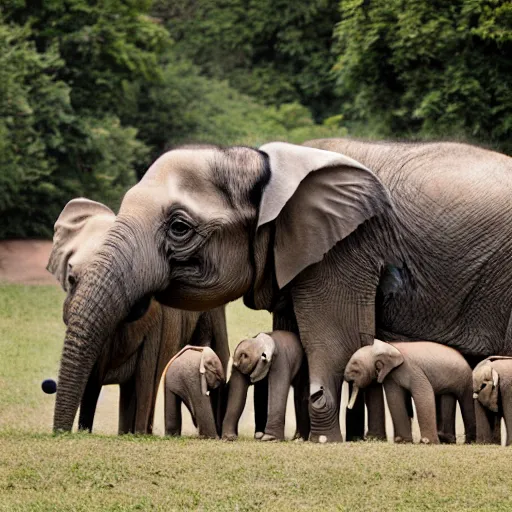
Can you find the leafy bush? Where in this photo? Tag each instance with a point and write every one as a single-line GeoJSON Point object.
{"type": "Point", "coordinates": [427, 68]}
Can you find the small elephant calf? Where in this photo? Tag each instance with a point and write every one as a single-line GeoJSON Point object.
{"type": "Point", "coordinates": [189, 377]}
{"type": "Point", "coordinates": [492, 391]}
{"type": "Point", "coordinates": [422, 368]}
{"type": "Point", "coordinates": [273, 362]}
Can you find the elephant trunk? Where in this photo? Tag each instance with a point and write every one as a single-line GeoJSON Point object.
{"type": "Point", "coordinates": [103, 299]}
{"type": "Point", "coordinates": [237, 395]}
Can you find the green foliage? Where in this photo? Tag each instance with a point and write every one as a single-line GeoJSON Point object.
{"type": "Point", "coordinates": [63, 68]}
{"type": "Point", "coordinates": [433, 69]}
{"type": "Point", "coordinates": [185, 106]}
{"type": "Point", "coordinates": [276, 51]}
{"type": "Point", "coordinates": [92, 92]}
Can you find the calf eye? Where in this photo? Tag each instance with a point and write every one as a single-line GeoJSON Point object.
{"type": "Point", "coordinates": [483, 386]}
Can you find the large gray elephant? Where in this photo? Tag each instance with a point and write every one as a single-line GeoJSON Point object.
{"type": "Point", "coordinates": [135, 354]}
{"type": "Point", "coordinates": [306, 233]}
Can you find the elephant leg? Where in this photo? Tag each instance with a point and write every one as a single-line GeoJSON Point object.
{"type": "Point", "coordinates": [218, 399]}
{"type": "Point", "coordinates": [147, 379]}
{"type": "Point", "coordinates": [397, 398]}
{"type": "Point", "coordinates": [467, 409]}
{"type": "Point", "coordinates": [260, 407]}
{"type": "Point", "coordinates": [279, 381]}
{"type": "Point", "coordinates": [374, 398]}
{"type": "Point", "coordinates": [333, 325]}
{"type": "Point", "coordinates": [127, 407]}
{"type": "Point", "coordinates": [237, 395]}
{"type": "Point", "coordinates": [172, 413]}
{"type": "Point", "coordinates": [485, 421]}
{"type": "Point", "coordinates": [204, 417]}
{"type": "Point", "coordinates": [301, 402]}
{"type": "Point", "coordinates": [496, 429]}
{"type": "Point", "coordinates": [425, 401]}
{"type": "Point", "coordinates": [446, 406]}
{"type": "Point", "coordinates": [89, 402]}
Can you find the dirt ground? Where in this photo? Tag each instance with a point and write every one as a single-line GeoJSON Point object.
{"type": "Point", "coordinates": [24, 261]}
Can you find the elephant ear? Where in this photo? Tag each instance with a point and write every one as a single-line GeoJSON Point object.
{"type": "Point", "coordinates": [486, 385]}
{"type": "Point", "coordinates": [210, 363]}
{"type": "Point", "coordinates": [268, 352]}
{"type": "Point", "coordinates": [316, 198]}
{"type": "Point", "coordinates": [71, 221]}
{"type": "Point", "coordinates": [387, 358]}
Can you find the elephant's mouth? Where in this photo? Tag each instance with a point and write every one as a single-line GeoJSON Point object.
{"type": "Point", "coordinates": [139, 309]}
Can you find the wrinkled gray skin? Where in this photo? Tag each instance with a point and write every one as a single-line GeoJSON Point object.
{"type": "Point", "coordinates": [135, 355]}
{"type": "Point", "coordinates": [421, 368]}
{"type": "Point", "coordinates": [190, 377]}
{"type": "Point", "coordinates": [492, 388]}
{"type": "Point", "coordinates": [272, 362]}
{"type": "Point", "coordinates": [293, 228]}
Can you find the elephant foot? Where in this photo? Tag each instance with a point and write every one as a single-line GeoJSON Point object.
{"type": "Point", "coordinates": [297, 437]}
{"type": "Point", "coordinates": [314, 438]}
{"type": "Point", "coordinates": [270, 437]}
{"type": "Point", "coordinates": [402, 440]}
{"type": "Point", "coordinates": [374, 437]}
{"type": "Point", "coordinates": [446, 438]}
{"type": "Point", "coordinates": [229, 437]}
{"type": "Point", "coordinates": [324, 415]}
{"type": "Point", "coordinates": [258, 435]}
{"type": "Point", "coordinates": [426, 440]}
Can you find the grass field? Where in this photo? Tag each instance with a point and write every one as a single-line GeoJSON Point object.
{"type": "Point", "coordinates": [40, 472]}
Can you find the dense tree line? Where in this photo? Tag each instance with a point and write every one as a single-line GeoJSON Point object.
{"type": "Point", "coordinates": [91, 92]}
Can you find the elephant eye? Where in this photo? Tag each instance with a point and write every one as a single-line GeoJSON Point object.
{"type": "Point", "coordinates": [483, 386]}
{"type": "Point", "coordinates": [180, 228]}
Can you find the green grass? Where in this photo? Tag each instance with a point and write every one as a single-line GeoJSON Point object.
{"type": "Point", "coordinates": [40, 472]}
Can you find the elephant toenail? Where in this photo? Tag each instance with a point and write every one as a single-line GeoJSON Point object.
{"type": "Point", "coordinates": [322, 439]}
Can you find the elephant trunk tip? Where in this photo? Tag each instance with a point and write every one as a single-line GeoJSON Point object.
{"type": "Point", "coordinates": [49, 386]}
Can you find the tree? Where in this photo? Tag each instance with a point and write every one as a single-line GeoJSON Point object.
{"type": "Point", "coordinates": [427, 68]}
{"type": "Point", "coordinates": [276, 51]}
{"type": "Point", "coordinates": [65, 66]}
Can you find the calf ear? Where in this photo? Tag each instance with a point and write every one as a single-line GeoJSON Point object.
{"type": "Point", "coordinates": [316, 199]}
{"type": "Point", "coordinates": [387, 358]}
{"type": "Point", "coordinates": [71, 221]}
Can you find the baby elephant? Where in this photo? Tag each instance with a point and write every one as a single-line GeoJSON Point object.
{"type": "Point", "coordinates": [189, 377]}
{"type": "Point", "coordinates": [422, 368]}
{"type": "Point", "coordinates": [273, 362]}
{"type": "Point", "coordinates": [492, 390]}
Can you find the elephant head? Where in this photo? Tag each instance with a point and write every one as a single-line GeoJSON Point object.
{"type": "Point", "coordinates": [254, 356]}
{"type": "Point", "coordinates": [485, 385]}
{"type": "Point", "coordinates": [369, 363]}
{"type": "Point", "coordinates": [78, 233]}
{"type": "Point", "coordinates": [207, 225]}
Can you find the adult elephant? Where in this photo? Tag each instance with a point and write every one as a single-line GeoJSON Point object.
{"type": "Point", "coordinates": [303, 230]}
{"type": "Point", "coordinates": [136, 353]}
